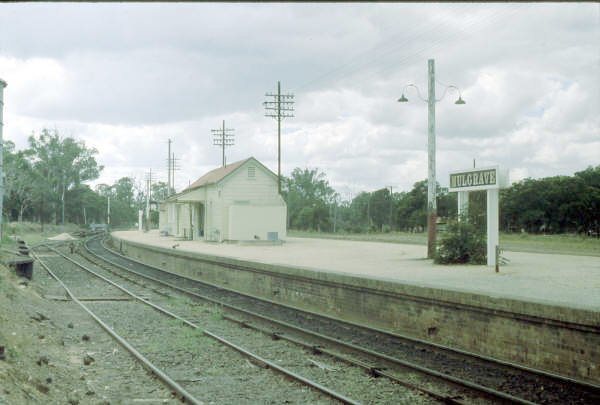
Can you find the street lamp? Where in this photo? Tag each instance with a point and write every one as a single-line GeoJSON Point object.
{"type": "Point", "coordinates": [2, 86]}
{"type": "Point", "coordinates": [431, 184]}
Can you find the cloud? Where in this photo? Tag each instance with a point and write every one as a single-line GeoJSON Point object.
{"type": "Point", "coordinates": [127, 77]}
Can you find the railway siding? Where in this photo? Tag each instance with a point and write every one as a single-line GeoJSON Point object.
{"type": "Point", "coordinates": [543, 336]}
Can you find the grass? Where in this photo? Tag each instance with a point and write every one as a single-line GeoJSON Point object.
{"type": "Point", "coordinates": [390, 237]}
{"type": "Point", "coordinates": [559, 244]}
{"type": "Point", "coordinates": [31, 232]}
{"type": "Point", "coordinates": [553, 244]}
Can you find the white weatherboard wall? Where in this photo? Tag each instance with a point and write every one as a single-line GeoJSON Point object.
{"type": "Point", "coordinates": [242, 204]}
{"type": "Point", "coordinates": [251, 205]}
{"type": "Point", "coordinates": [162, 217]}
{"type": "Point", "coordinates": [256, 222]}
{"type": "Point", "coordinates": [259, 189]}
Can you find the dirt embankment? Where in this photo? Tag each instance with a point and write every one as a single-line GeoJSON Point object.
{"type": "Point", "coordinates": [53, 353]}
{"type": "Point", "coordinates": [33, 369]}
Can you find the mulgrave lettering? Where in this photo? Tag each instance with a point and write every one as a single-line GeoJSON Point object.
{"type": "Point", "coordinates": [474, 178]}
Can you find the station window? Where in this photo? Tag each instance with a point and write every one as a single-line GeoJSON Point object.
{"type": "Point", "coordinates": [251, 172]}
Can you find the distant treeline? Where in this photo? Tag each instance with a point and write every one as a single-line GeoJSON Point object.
{"type": "Point", "coordinates": [46, 183]}
{"type": "Point", "coordinates": [557, 204]}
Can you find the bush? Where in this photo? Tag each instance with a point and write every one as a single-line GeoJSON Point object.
{"type": "Point", "coordinates": [463, 242]}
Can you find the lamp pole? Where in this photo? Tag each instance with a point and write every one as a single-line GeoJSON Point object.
{"type": "Point", "coordinates": [2, 86]}
{"type": "Point", "coordinates": [431, 183]}
{"type": "Point", "coordinates": [431, 200]}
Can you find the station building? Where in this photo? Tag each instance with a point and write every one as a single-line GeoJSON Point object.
{"type": "Point", "coordinates": [237, 202]}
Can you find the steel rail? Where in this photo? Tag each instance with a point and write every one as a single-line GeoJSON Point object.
{"type": "Point", "coordinates": [178, 389]}
{"type": "Point", "coordinates": [458, 381]}
{"type": "Point", "coordinates": [543, 373]}
{"type": "Point", "coordinates": [227, 343]}
{"type": "Point", "coordinates": [373, 370]}
{"type": "Point", "coordinates": [454, 380]}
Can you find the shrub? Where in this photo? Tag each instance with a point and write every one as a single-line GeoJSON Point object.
{"type": "Point", "coordinates": [463, 242]}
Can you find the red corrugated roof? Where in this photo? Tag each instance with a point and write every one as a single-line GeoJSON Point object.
{"type": "Point", "coordinates": [216, 175]}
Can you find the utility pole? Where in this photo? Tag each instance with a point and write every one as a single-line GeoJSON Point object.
{"type": "Point", "coordinates": [431, 191]}
{"type": "Point", "coordinates": [391, 204]}
{"type": "Point", "coordinates": [281, 106]}
{"type": "Point", "coordinates": [2, 86]}
{"type": "Point", "coordinates": [431, 183]}
{"type": "Point", "coordinates": [174, 166]}
{"type": "Point", "coordinates": [108, 213]}
{"type": "Point", "coordinates": [169, 169]}
{"type": "Point", "coordinates": [148, 190]}
{"type": "Point", "coordinates": [223, 137]}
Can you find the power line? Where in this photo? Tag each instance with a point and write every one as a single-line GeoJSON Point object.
{"type": "Point", "coordinates": [368, 59]}
{"type": "Point", "coordinates": [173, 165]}
{"type": "Point", "coordinates": [223, 137]}
{"type": "Point", "coordinates": [279, 107]}
{"type": "Point", "coordinates": [148, 191]}
{"type": "Point", "coordinates": [364, 58]}
{"type": "Point", "coordinates": [486, 21]}
{"type": "Point", "coordinates": [169, 169]}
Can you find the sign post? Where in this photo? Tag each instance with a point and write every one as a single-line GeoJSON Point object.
{"type": "Point", "coordinates": [490, 179]}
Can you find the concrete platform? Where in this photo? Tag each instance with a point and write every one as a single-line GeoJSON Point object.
{"type": "Point", "coordinates": [564, 280]}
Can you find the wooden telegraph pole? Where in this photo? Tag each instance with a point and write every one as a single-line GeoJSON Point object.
{"type": "Point", "coordinates": [279, 107]}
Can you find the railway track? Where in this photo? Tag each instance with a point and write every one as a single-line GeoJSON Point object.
{"type": "Point", "coordinates": [141, 316]}
{"type": "Point", "coordinates": [378, 352]}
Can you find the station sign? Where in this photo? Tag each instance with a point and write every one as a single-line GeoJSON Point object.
{"type": "Point", "coordinates": [477, 179]}
{"type": "Point", "coordinates": [491, 179]}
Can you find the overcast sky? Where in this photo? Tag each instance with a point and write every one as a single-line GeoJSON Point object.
{"type": "Point", "coordinates": [124, 78]}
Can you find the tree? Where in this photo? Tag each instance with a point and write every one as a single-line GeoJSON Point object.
{"type": "Point", "coordinates": [553, 204]}
{"type": "Point", "coordinates": [84, 206]}
{"type": "Point", "coordinates": [589, 210]}
{"type": "Point", "coordinates": [359, 217]}
{"type": "Point", "coordinates": [60, 165]}
{"type": "Point", "coordinates": [447, 204]}
{"type": "Point", "coordinates": [160, 191]}
{"type": "Point", "coordinates": [19, 182]}
{"type": "Point", "coordinates": [380, 204]}
{"type": "Point", "coordinates": [412, 208]}
{"type": "Point", "coordinates": [308, 197]}
{"type": "Point", "coordinates": [125, 191]}
{"type": "Point", "coordinates": [123, 202]}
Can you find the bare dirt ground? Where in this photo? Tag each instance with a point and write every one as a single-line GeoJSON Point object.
{"type": "Point", "coordinates": [55, 354]}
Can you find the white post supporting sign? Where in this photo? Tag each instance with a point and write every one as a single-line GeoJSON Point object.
{"type": "Point", "coordinates": [493, 220]}
{"type": "Point", "coordinates": [490, 179]}
{"type": "Point", "coordinates": [463, 203]}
